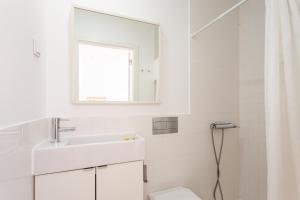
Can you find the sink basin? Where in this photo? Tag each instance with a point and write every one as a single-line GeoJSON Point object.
{"type": "Point", "coordinates": [100, 139]}
{"type": "Point", "coordinates": [79, 152]}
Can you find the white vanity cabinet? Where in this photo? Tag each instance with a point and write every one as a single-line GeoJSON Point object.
{"type": "Point", "coordinates": [75, 185]}
{"type": "Point", "coordinates": [112, 182]}
{"type": "Point", "coordinates": [120, 182]}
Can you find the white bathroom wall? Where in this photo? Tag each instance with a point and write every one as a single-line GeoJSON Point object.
{"type": "Point", "coordinates": [22, 87]}
{"type": "Point", "coordinates": [16, 143]}
{"type": "Point", "coordinates": [22, 95]}
{"type": "Point", "coordinates": [253, 178]}
{"type": "Point", "coordinates": [174, 63]}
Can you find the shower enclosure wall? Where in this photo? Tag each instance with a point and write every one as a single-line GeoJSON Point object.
{"type": "Point", "coordinates": [253, 163]}
{"type": "Point", "coordinates": [246, 24]}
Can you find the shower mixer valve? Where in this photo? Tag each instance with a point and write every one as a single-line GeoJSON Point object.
{"type": "Point", "coordinates": [223, 125]}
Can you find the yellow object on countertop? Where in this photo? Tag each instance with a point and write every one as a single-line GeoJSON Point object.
{"type": "Point", "coordinates": [128, 138]}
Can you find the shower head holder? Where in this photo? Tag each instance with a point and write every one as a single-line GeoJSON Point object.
{"type": "Point", "coordinates": [223, 125]}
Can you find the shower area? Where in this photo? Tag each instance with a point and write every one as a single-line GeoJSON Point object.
{"type": "Point", "coordinates": [233, 51]}
{"type": "Point", "coordinates": [253, 50]}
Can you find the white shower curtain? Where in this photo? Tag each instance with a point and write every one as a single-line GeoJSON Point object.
{"type": "Point", "coordinates": [282, 88]}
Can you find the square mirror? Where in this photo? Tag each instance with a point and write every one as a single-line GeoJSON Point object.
{"type": "Point", "coordinates": [114, 59]}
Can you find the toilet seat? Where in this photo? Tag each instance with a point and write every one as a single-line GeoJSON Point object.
{"type": "Point", "coordinates": [178, 193]}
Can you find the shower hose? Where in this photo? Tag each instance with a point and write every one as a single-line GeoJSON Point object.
{"type": "Point", "coordinates": [218, 160]}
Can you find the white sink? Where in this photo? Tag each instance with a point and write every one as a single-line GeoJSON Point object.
{"type": "Point", "coordinates": [87, 151]}
{"type": "Point", "coordinates": [99, 139]}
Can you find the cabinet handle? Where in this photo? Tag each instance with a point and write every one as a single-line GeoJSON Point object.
{"type": "Point", "coordinates": [145, 174]}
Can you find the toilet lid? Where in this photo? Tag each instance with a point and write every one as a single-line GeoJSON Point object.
{"type": "Point", "coordinates": [178, 193]}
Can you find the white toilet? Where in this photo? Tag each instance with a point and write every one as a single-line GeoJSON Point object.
{"type": "Point", "coordinates": [178, 193]}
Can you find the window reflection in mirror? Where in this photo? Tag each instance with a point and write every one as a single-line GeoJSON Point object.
{"type": "Point", "coordinates": [101, 66]}
{"type": "Point", "coordinates": [116, 58]}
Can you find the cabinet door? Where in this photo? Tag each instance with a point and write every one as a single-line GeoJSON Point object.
{"type": "Point", "coordinates": [120, 182]}
{"type": "Point", "coordinates": [71, 185]}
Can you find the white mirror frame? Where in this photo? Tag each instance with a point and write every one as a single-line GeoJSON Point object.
{"type": "Point", "coordinates": [74, 62]}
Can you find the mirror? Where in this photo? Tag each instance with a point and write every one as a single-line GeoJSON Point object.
{"type": "Point", "coordinates": [115, 59]}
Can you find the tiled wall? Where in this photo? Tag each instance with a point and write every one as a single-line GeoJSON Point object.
{"type": "Point", "coordinates": [253, 170]}
{"type": "Point", "coordinates": [16, 143]}
{"type": "Point", "coordinates": [182, 159]}
{"type": "Point", "coordinates": [214, 94]}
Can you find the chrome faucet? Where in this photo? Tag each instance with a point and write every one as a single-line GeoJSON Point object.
{"type": "Point", "coordinates": [57, 129]}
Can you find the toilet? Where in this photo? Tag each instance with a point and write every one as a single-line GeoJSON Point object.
{"type": "Point", "coordinates": [178, 193]}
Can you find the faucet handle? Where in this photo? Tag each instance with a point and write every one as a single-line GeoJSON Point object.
{"type": "Point", "coordinates": [67, 129]}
